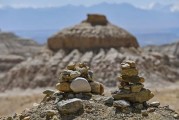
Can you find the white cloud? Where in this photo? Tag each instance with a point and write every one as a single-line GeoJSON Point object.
{"type": "Point", "coordinates": [174, 8]}
{"type": "Point", "coordinates": [152, 5]}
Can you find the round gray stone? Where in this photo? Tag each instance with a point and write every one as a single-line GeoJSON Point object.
{"type": "Point", "coordinates": [80, 85]}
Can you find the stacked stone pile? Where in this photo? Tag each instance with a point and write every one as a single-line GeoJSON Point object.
{"type": "Point", "coordinates": [78, 78]}
{"type": "Point", "coordinates": [131, 91]}
{"type": "Point", "coordinates": [75, 85]}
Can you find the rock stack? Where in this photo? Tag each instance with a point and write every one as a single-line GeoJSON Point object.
{"type": "Point", "coordinates": [75, 85]}
{"type": "Point", "coordinates": [131, 90]}
{"type": "Point", "coordinates": [78, 78]}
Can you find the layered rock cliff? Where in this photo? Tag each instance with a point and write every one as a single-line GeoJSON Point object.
{"type": "Point", "coordinates": [14, 50]}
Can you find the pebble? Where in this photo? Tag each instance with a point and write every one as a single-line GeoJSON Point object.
{"type": "Point", "coordinates": [136, 87]}
{"type": "Point", "coordinates": [151, 109]}
{"type": "Point", "coordinates": [125, 66]}
{"type": "Point", "coordinates": [121, 103]}
{"type": "Point", "coordinates": [131, 63]}
{"type": "Point", "coordinates": [144, 113]}
{"type": "Point", "coordinates": [176, 116]}
{"type": "Point", "coordinates": [50, 112]}
{"type": "Point", "coordinates": [74, 74]}
{"type": "Point", "coordinates": [26, 118]}
{"type": "Point", "coordinates": [155, 104]}
{"type": "Point", "coordinates": [55, 118]}
{"type": "Point", "coordinates": [36, 104]}
{"type": "Point", "coordinates": [80, 85]}
{"type": "Point", "coordinates": [109, 100]}
{"type": "Point", "coordinates": [48, 92]}
{"type": "Point", "coordinates": [95, 87]}
{"type": "Point", "coordinates": [90, 75]}
{"type": "Point", "coordinates": [129, 72]}
{"type": "Point", "coordinates": [71, 66]}
{"type": "Point", "coordinates": [66, 72]}
{"type": "Point", "coordinates": [64, 87]}
{"type": "Point", "coordinates": [9, 118]}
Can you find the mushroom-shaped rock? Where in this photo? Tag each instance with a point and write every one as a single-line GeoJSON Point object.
{"type": "Point", "coordinates": [94, 32]}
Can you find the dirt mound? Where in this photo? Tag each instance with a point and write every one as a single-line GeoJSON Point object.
{"type": "Point", "coordinates": [94, 33]}
{"type": "Point", "coordinates": [92, 109]}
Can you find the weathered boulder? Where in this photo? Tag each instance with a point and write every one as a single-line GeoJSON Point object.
{"type": "Point", "coordinates": [70, 106]}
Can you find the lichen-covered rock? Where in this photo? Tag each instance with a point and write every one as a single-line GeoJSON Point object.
{"type": "Point", "coordinates": [70, 106]}
{"type": "Point", "coordinates": [80, 85]}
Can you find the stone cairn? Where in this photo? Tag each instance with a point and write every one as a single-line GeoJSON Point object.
{"type": "Point", "coordinates": [75, 85]}
{"type": "Point", "coordinates": [78, 78]}
{"type": "Point", "coordinates": [131, 93]}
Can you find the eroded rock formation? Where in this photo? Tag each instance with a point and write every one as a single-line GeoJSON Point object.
{"type": "Point", "coordinates": [94, 33]}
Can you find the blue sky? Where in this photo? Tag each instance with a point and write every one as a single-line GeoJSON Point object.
{"type": "Point", "coordinates": [54, 3]}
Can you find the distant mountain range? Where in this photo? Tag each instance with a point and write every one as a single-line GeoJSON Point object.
{"type": "Point", "coordinates": [157, 25]}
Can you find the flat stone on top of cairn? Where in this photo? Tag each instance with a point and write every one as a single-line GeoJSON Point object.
{"type": "Point", "coordinates": [78, 78]}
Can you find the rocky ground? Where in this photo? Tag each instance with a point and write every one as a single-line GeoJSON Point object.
{"type": "Point", "coordinates": [18, 100]}
{"type": "Point", "coordinates": [94, 108]}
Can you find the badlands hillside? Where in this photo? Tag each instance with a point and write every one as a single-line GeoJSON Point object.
{"type": "Point", "coordinates": [158, 67]}
{"type": "Point", "coordinates": [14, 50]}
